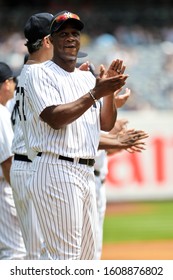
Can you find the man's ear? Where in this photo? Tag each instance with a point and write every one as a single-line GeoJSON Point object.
{"type": "Point", "coordinates": [48, 39]}
{"type": "Point", "coordinates": [51, 39]}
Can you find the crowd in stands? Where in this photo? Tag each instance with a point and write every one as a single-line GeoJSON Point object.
{"type": "Point", "coordinates": [147, 52]}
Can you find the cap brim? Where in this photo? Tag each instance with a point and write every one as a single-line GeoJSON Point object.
{"type": "Point", "coordinates": [57, 26]}
{"type": "Point", "coordinates": [81, 54]}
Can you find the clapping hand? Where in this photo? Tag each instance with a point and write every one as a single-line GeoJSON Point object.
{"type": "Point", "coordinates": [116, 68]}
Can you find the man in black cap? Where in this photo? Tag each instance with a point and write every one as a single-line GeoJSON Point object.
{"type": "Point", "coordinates": [64, 127]}
{"type": "Point", "coordinates": [5, 72]}
{"type": "Point", "coordinates": [11, 241]}
{"type": "Point", "coordinates": [40, 49]}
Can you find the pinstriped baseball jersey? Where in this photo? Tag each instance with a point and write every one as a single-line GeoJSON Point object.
{"type": "Point", "coordinates": [48, 85]}
{"type": "Point", "coordinates": [18, 143]}
{"type": "Point", "coordinates": [11, 241]}
{"type": "Point", "coordinates": [6, 134]}
{"type": "Point", "coordinates": [19, 174]}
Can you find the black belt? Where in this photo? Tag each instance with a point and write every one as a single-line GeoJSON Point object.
{"type": "Point", "coordinates": [86, 161]}
{"type": "Point", "coordinates": [97, 173]}
{"type": "Point", "coordinates": [24, 157]}
{"type": "Point", "coordinates": [89, 161]}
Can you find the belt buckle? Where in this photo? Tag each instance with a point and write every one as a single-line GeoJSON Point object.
{"type": "Point", "coordinates": [90, 162]}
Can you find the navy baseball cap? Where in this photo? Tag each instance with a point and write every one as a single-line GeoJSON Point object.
{"type": "Point", "coordinates": [37, 26]}
{"type": "Point", "coordinates": [5, 72]}
{"type": "Point", "coordinates": [81, 54]}
{"type": "Point", "coordinates": [62, 17]}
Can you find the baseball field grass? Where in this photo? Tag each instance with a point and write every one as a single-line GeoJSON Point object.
{"type": "Point", "coordinates": [138, 221]}
{"type": "Point", "coordinates": [138, 231]}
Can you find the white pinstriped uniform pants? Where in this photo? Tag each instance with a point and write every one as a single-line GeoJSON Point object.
{"type": "Point", "coordinates": [33, 239]}
{"type": "Point", "coordinates": [65, 201]}
{"type": "Point", "coordinates": [11, 241]}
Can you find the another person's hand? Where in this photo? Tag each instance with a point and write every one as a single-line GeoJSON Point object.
{"type": "Point", "coordinates": [121, 99]}
{"type": "Point", "coordinates": [85, 66]}
{"type": "Point", "coordinates": [131, 137]}
{"type": "Point", "coordinates": [119, 126]}
{"type": "Point", "coordinates": [131, 141]}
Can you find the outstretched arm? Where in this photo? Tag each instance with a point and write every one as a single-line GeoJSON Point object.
{"type": "Point", "coordinates": [129, 139]}
{"type": "Point", "coordinates": [135, 143]}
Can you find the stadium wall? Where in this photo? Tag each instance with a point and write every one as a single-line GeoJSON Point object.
{"type": "Point", "coordinates": [147, 175]}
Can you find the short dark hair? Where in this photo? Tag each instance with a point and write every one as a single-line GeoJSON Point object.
{"type": "Point", "coordinates": [33, 47]}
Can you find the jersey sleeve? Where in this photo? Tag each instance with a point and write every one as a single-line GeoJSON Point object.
{"type": "Point", "coordinates": [6, 136]}
{"type": "Point", "coordinates": [43, 91]}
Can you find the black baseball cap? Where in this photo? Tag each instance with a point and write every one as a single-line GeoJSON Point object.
{"type": "Point", "coordinates": [62, 17]}
{"type": "Point", "coordinates": [5, 72]}
{"type": "Point", "coordinates": [37, 26]}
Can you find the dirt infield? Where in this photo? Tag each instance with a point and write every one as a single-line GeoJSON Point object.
{"type": "Point", "coordinates": [149, 250]}
{"type": "Point", "coordinates": [139, 250]}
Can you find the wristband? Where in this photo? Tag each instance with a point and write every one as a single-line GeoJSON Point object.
{"type": "Point", "coordinates": [92, 96]}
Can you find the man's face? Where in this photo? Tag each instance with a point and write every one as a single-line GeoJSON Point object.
{"type": "Point", "coordinates": [12, 86]}
{"type": "Point", "coordinates": [66, 42]}
{"type": "Point", "coordinates": [7, 89]}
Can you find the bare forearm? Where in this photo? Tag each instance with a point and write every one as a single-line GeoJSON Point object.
{"type": "Point", "coordinates": [108, 113]}
{"type": "Point", "coordinates": [62, 115]}
{"type": "Point", "coordinates": [108, 142]}
{"type": "Point", "coordinates": [131, 138]}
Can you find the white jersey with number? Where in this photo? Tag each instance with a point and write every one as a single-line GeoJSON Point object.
{"type": "Point", "coordinates": [19, 175]}
{"type": "Point", "coordinates": [49, 85]}
{"type": "Point", "coordinates": [18, 144]}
